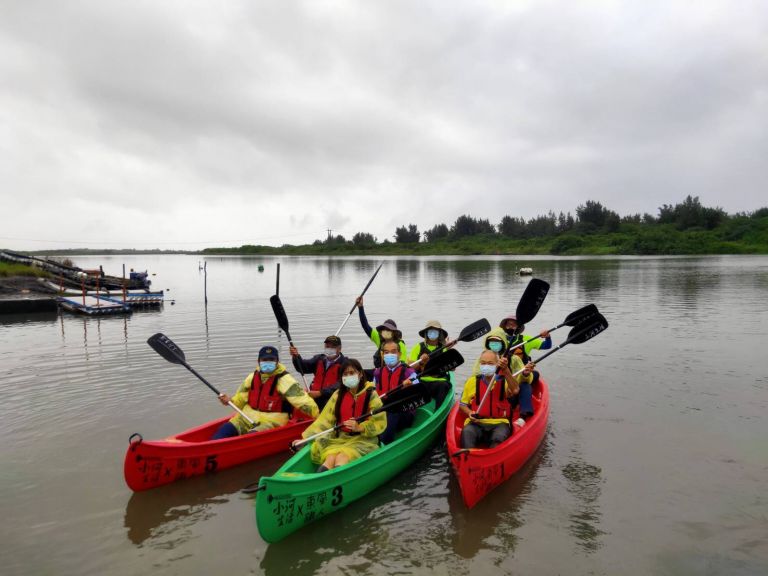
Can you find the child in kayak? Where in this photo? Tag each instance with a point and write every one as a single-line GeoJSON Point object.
{"type": "Point", "coordinates": [268, 401]}
{"type": "Point", "coordinates": [386, 331]}
{"type": "Point", "coordinates": [354, 398]}
{"type": "Point", "coordinates": [490, 424]}
{"type": "Point", "coordinates": [393, 374]}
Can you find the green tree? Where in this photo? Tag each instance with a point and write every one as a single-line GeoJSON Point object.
{"type": "Point", "coordinates": [409, 234]}
{"type": "Point", "coordinates": [436, 232]}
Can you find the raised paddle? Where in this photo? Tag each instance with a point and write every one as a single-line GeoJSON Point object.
{"type": "Point", "coordinates": [531, 300]}
{"type": "Point", "coordinates": [573, 319]}
{"type": "Point", "coordinates": [468, 334]}
{"type": "Point", "coordinates": [578, 335]}
{"type": "Point", "coordinates": [164, 346]}
{"type": "Point", "coordinates": [405, 399]}
{"type": "Point", "coordinates": [282, 321]}
{"type": "Point", "coordinates": [361, 295]}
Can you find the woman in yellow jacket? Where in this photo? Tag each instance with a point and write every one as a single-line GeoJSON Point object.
{"type": "Point", "coordinates": [354, 398]}
{"type": "Point", "coordinates": [269, 401]}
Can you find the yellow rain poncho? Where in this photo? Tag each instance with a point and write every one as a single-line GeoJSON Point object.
{"type": "Point", "coordinates": [288, 388]}
{"type": "Point", "coordinates": [351, 446]}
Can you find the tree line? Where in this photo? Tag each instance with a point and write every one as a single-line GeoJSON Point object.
{"type": "Point", "coordinates": [591, 218]}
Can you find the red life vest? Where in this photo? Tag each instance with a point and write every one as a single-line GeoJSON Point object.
{"type": "Point", "coordinates": [352, 407]}
{"type": "Point", "coordinates": [496, 405]}
{"type": "Point", "coordinates": [263, 396]}
{"type": "Point", "coordinates": [388, 379]}
{"type": "Point", "coordinates": [325, 378]}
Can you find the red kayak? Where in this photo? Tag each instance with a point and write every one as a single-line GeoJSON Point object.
{"type": "Point", "coordinates": [480, 470]}
{"type": "Point", "coordinates": [154, 463]}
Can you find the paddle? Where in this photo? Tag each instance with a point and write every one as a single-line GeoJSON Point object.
{"type": "Point", "coordinates": [406, 399]}
{"type": "Point", "coordinates": [282, 321]}
{"type": "Point", "coordinates": [531, 300]}
{"type": "Point", "coordinates": [361, 295]}
{"type": "Point", "coordinates": [468, 334]}
{"type": "Point", "coordinates": [164, 346]}
{"type": "Point", "coordinates": [578, 335]}
{"type": "Point", "coordinates": [573, 319]}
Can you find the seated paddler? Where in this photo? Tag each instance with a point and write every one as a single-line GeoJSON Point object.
{"type": "Point", "coordinates": [394, 373]}
{"type": "Point", "coordinates": [490, 424]}
{"type": "Point", "coordinates": [354, 398]}
{"type": "Point", "coordinates": [438, 385]}
{"type": "Point", "coordinates": [517, 340]}
{"type": "Point", "coordinates": [326, 368]}
{"type": "Point", "coordinates": [267, 396]}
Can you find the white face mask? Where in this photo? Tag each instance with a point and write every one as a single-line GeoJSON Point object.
{"type": "Point", "coordinates": [350, 381]}
{"type": "Point", "coordinates": [331, 352]}
{"type": "Point", "coordinates": [386, 334]}
{"type": "Point", "coordinates": [487, 369]}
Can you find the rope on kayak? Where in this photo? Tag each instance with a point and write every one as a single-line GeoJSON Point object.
{"type": "Point", "coordinates": [252, 488]}
{"type": "Point", "coordinates": [133, 444]}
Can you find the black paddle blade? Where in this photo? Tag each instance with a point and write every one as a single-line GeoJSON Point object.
{"type": "Point", "coordinates": [474, 331]}
{"type": "Point", "coordinates": [164, 346]}
{"type": "Point", "coordinates": [447, 361]}
{"type": "Point", "coordinates": [587, 330]}
{"type": "Point", "coordinates": [280, 315]}
{"type": "Point", "coordinates": [531, 300]}
{"type": "Point", "coordinates": [581, 315]}
{"type": "Point", "coordinates": [406, 398]}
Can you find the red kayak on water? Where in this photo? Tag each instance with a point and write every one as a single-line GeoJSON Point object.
{"type": "Point", "coordinates": [149, 464]}
{"type": "Point", "coordinates": [480, 470]}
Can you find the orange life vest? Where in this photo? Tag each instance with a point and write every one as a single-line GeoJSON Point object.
{"type": "Point", "coordinates": [264, 397]}
{"type": "Point", "coordinates": [496, 405]}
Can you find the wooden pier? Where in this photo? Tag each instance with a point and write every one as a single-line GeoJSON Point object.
{"type": "Point", "coordinates": [93, 305]}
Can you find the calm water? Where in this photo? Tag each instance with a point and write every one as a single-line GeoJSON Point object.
{"type": "Point", "coordinates": [656, 458]}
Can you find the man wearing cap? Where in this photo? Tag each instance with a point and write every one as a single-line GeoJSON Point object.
{"type": "Point", "coordinates": [515, 336]}
{"type": "Point", "coordinates": [267, 396]}
{"type": "Point", "coordinates": [438, 384]}
{"type": "Point", "coordinates": [326, 367]}
{"type": "Point", "coordinates": [383, 332]}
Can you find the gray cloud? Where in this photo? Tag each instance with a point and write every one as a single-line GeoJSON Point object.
{"type": "Point", "coordinates": [169, 124]}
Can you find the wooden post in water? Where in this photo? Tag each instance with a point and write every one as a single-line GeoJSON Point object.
{"type": "Point", "coordinates": [205, 276]}
{"type": "Point", "coordinates": [123, 283]}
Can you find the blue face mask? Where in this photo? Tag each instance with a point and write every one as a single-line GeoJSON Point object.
{"type": "Point", "coordinates": [487, 369]}
{"type": "Point", "coordinates": [495, 346]}
{"type": "Point", "coordinates": [350, 381]}
{"type": "Point", "coordinates": [267, 366]}
{"type": "Point", "coordinates": [433, 334]}
{"type": "Point", "coordinates": [391, 360]}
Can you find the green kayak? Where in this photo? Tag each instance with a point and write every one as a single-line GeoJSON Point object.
{"type": "Point", "coordinates": [296, 495]}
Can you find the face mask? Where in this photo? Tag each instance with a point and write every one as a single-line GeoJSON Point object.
{"type": "Point", "coordinates": [495, 346]}
{"type": "Point", "coordinates": [268, 366]}
{"type": "Point", "coordinates": [386, 334]}
{"type": "Point", "coordinates": [433, 334]}
{"type": "Point", "coordinates": [330, 352]}
{"type": "Point", "coordinates": [511, 331]}
{"type": "Point", "coordinates": [487, 369]}
{"type": "Point", "coordinates": [391, 360]}
{"type": "Point", "coordinates": [350, 381]}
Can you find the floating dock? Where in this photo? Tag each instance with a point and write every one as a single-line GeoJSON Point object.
{"type": "Point", "coordinates": [93, 306]}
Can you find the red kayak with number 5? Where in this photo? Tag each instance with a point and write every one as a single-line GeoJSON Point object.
{"type": "Point", "coordinates": [480, 470]}
{"type": "Point", "coordinates": [152, 463]}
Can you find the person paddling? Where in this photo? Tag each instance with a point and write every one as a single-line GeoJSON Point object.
{"type": "Point", "coordinates": [438, 385]}
{"type": "Point", "coordinates": [354, 398]}
{"type": "Point", "coordinates": [326, 367]}
{"type": "Point", "coordinates": [266, 396]}
{"type": "Point", "coordinates": [386, 331]}
{"type": "Point", "coordinates": [490, 424]}
{"type": "Point", "coordinates": [515, 336]}
{"type": "Point", "coordinates": [393, 374]}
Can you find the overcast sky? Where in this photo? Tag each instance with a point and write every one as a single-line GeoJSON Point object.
{"type": "Point", "coordinates": [190, 124]}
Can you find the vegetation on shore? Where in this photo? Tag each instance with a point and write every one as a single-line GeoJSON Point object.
{"type": "Point", "coordinates": [9, 269]}
{"type": "Point", "coordinates": [685, 228]}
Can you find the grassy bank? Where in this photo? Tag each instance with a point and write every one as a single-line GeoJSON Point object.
{"type": "Point", "coordinates": [8, 269]}
{"type": "Point", "coordinates": [737, 236]}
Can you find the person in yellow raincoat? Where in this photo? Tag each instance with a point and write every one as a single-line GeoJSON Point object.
{"type": "Point", "coordinates": [269, 401]}
{"type": "Point", "coordinates": [356, 396]}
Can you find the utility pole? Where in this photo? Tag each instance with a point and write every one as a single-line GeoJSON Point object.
{"type": "Point", "coordinates": [330, 235]}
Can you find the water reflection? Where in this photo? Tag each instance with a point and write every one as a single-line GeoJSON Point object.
{"type": "Point", "coordinates": [585, 482]}
{"type": "Point", "coordinates": [682, 286]}
{"type": "Point", "coordinates": [29, 318]}
{"type": "Point", "coordinates": [168, 510]}
{"type": "Point", "coordinates": [497, 514]}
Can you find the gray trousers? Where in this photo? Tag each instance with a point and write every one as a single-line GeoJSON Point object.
{"type": "Point", "coordinates": [491, 434]}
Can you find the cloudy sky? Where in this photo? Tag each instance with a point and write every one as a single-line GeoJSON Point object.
{"type": "Point", "coordinates": [190, 124]}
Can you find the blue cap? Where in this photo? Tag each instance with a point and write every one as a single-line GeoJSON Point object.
{"type": "Point", "coordinates": [268, 352]}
